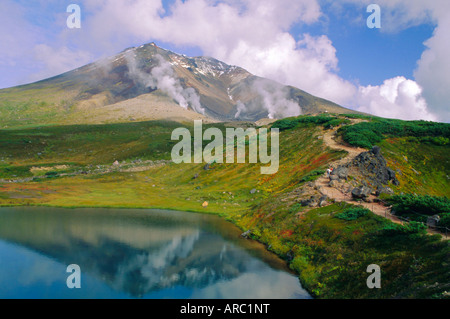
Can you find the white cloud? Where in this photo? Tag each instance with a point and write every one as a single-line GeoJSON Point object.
{"type": "Point", "coordinates": [433, 71]}
{"type": "Point", "coordinates": [433, 68]}
{"type": "Point", "coordinates": [252, 34]}
{"type": "Point", "coordinates": [395, 98]}
{"type": "Point", "coordinates": [255, 35]}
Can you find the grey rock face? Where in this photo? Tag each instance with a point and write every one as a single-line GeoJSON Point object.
{"type": "Point", "coordinates": [311, 202]}
{"type": "Point", "coordinates": [341, 172]}
{"type": "Point", "coordinates": [373, 165]}
{"type": "Point", "coordinates": [334, 177]}
{"type": "Point", "coordinates": [361, 192]}
{"type": "Point", "coordinates": [384, 190]}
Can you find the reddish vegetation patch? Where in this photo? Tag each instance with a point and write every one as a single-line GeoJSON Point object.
{"type": "Point", "coordinates": [267, 178]}
{"type": "Point", "coordinates": [287, 233]}
{"type": "Point", "coordinates": [391, 140]}
{"type": "Point", "coordinates": [299, 168]}
{"type": "Point", "coordinates": [322, 159]}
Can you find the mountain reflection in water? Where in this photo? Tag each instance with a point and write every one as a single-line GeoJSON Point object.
{"type": "Point", "coordinates": [137, 254]}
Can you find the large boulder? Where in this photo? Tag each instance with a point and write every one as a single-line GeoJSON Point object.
{"type": "Point", "coordinates": [433, 221]}
{"type": "Point", "coordinates": [361, 192]}
{"type": "Point", "coordinates": [246, 234]}
{"type": "Point", "coordinates": [323, 201]}
{"type": "Point", "coordinates": [341, 172]}
{"type": "Point", "coordinates": [373, 166]}
{"type": "Point", "coordinates": [334, 178]}
{"type": "Point", "coordinates": [333, 183]}
{"type": "Point", "coordinates": [311, 202]}
{"type": "Point", "coordinates": [384, 190]}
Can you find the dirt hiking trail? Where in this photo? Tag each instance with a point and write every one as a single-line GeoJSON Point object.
{"type": "Point", "coordinates": [322, 183]}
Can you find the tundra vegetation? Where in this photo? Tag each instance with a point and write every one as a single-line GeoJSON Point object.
{"type": "Point", "coordinates": [128, 165]}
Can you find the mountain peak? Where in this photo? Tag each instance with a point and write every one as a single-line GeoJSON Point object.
{"type": "Point", "coordinates": [104, 90]}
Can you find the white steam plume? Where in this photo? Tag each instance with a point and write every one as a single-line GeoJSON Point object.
{"type": "Point", "coordinates": [162, 77]}
{"type": "Point", "coordinates": [240, 108]}
{"type": "Point", "coordinates": [275, 99]}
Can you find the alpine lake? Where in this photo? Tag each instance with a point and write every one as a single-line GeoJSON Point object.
{"type": "Point", "coordinates": [123, 254]}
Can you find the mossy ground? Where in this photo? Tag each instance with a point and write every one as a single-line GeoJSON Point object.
{"type": "Point", "coordinates": [421, 168]}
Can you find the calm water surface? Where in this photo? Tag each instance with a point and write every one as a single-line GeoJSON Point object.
{"type": "Point", "coordinates": [135, 254]}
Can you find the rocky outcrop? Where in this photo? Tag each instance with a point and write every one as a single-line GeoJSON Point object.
{"type": "Point", "coordinates": [384, 190]}
{"type": "Point", "coordinates": [313, 201]}
{"type": "Point", "coordinates": [246, 234]}
{"type": "Point", "coordinates": [339, 173]}
{"type": "Point", "coordinates": [373, 166]}
{"type": "Point", "coordinates": [323, 201]}
{"type": "Point", "coordinates": [366, 174]}
{"type": "Point", "coordinates": [361, 192]}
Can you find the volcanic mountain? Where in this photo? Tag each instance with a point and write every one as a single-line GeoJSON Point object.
{"type": "Point", "coordinates": [147, 83]}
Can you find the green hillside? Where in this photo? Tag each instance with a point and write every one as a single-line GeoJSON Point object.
{"type": "Point", "coordinates": [329, 246]}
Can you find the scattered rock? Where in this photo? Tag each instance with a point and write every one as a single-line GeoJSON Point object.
{"type": "Point", "coordinates": [253, 191]}
{"type": "Point", "coordinates": [311, 202]}
{"type": "Point", "coordinates": [384, 190]}
{"type": "Point", "coordinates": [341, 172]}
{"type": "Point", "coordinates": [116, 163]}
{"type": "Point", "coordinates": [207, 167]}
{"type": "Point", "coordinates": [205, 204]}
{"type": "Point", "coordinates": [195, 176]}
{"type": "Point", "coordinates": [334, 177]}
{"type": "Point", "coordinates": [433, 221]}
{"type": "Point", "coordinates": [323, 201]}
{"type": "Point", "coordinates": [361, 192]}
{"type": "Point", "coordinates": [246, 234]}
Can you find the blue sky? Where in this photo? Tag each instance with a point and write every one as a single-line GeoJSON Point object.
{"type": "Point", "coordinates": [321, 46]}
{"type": "Point", "coordinates": [371, 56]}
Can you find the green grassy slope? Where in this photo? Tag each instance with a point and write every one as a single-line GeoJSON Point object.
{"type": "Point", "coordinates": [329, 253]}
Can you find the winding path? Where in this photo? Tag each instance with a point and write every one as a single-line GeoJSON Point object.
{"type": "Point", "coordinates": [322, 183]}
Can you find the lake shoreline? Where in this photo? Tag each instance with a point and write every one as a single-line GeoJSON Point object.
{"type": "Point", "coordinates": [223, 216]}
